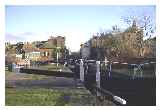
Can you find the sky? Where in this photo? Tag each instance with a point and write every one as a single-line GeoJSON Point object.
{"type": "Point", "coordinates": [78, 23]}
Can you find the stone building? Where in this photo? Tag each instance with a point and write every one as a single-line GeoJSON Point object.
{"type": "Point", "coordinates": [118, 44]}
{"type": "Point", "coordinates": [58, 41]}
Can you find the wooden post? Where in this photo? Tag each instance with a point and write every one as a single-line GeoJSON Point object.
{"type": "Point", "coordinates": [13, 67]}
{"type": "Point", "coordinates": [135, 71]}
{"type": "Point", "coordinates": [98, 76]}
{"type": "Point", "coordinates": [105, 61]}
{"type": "Point", "coordinates": [110, 69]}
{"type": "Point", "coordinates": [57, 59]}
{"type": "Point", "coordinates": [81, 71]}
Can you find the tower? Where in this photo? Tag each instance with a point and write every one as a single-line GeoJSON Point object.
{"type": "Point", "coordinates": [134, 25]}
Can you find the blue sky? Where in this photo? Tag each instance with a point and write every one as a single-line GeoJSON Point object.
{"type": "Point", "coordinates": [76, 23]}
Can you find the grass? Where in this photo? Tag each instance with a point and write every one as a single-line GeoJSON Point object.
{"type": "Point", "coordinates": [41, 96]}
{"type": "Point", "coordinates": [44, 97]}
{"type": "Point", "coordinates": [8, 72]}
{"type": "Point", "coordinates": [9, 75]}
{"type": "Point", "coordinates": [33, 97]}
{"type": "Point", "coordinates": [47, 97]}
{"type": "Point", "coordinates": [54, 67]}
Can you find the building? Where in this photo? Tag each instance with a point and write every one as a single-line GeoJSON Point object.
{"type": "Point", "coordinates": [58, 41]}
{"type": "Point", "coordinates": [100, 41]}
{"type": "Point", "coordinates": [31, 52]}
{"type": "Point", "coordinates": [117, 44]}
{"type": "Point", "coordinates": [43, 51]}
{"type": "Point", "coordinates": [46, 54]}
{"type": "Point", "coordinates": [51, 47]}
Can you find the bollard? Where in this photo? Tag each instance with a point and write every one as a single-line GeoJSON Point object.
{"type": "Point", "coordinates": [81, 71]}
{"type": "Point", "coordinates": [98, 78]}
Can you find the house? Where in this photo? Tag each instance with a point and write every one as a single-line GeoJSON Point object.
{"type": "Point", "coordinates": [31, 52]}
{"type": "Point", "coordinates": [43, 51]}
{"type": "Point", "coordinates": [50, 47]}
{"type": "Point", "coordinates": [46, 54]}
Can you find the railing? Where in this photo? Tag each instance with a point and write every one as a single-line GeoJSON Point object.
{"type": "Point", "coordinates": [100, 92]}
{"type": "Point", "coordinates": [80, 70]}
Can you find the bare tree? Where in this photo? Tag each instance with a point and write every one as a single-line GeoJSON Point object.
{"type": "Point", "coordinates": [145, 23]}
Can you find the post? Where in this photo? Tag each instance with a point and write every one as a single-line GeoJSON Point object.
{"type": "Point", "coordinates": [98, 76]}
{"type": "Point", "coordinates": [135, 69]}
{"type": "Point", "coordinates": [13, 67]}
{"type": "Point", "coordinates": [140, 69]}
{"type": "Point", "coordinates": [29, 63]}
{"type": "Point", "coordinates": [17, 69]}
{"type": "Point", "coordinates": [57, 59]}
{"type": "Point", "coordinates": [105, 61]}
{"type": "Point", "coordinates": [81, 71]}
{"type": "Point", "coordinates": [110, 69]}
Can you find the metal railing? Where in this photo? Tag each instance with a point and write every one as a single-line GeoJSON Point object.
{"type": "Point", "coordinates": [137, 69]}
{"type": "Point", "coordinates": [83, 70]}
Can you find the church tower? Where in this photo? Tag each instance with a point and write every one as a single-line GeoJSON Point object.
{"type": "Point", "coordinates": [134, 23]}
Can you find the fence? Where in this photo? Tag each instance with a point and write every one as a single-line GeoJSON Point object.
{"type": "Point", "coordinates": [135, 70]}
{"type": "Point", "coordinates": [97, 76]}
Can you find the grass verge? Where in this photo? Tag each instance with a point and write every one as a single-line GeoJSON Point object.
{"type": "Point", "coordinates": [47, 97]}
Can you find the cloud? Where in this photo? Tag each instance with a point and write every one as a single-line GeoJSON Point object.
{"type": "Point", "coordinates": [12, 38]}
{"type": "Point", "coordinates": [24, 37]}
